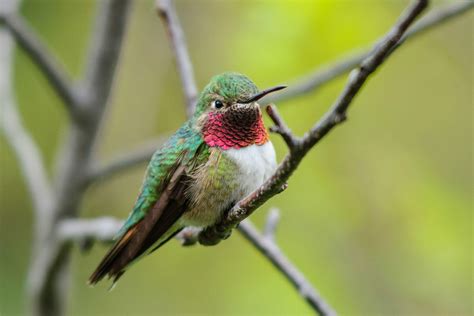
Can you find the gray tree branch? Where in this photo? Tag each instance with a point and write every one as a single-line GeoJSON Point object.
{"type": "Point", "coordinates": [269, 248]}
{"type": "Point", "coordinates": [123, 161]}
{"type": "Point", "coordinates": [273, 218]}
{"type": "Point", "coordinates": [44, 59]}
{"type": "Point", "coordinates": [167, 13]}
{"type": "Point", "coordinates": [48, 275]}
{"type": "Point", "coordinates": [26, 150]}
{"type": "Point", "coordinates": [333, 117]}
{"type": "Point", "coordinates": [324, 74]}
{"type": "Point", "coordinates": [101, 229]}
{"type": "Point", "coordinates": [104, 53]}
{"type": "Point", "coordinates": [104, 229]}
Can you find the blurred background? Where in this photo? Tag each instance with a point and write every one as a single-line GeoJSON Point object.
{"type": "Point", "coordinates": [378, 216]}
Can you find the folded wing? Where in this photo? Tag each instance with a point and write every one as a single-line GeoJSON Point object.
{"type": "Point", "coordinates": [155, 224]}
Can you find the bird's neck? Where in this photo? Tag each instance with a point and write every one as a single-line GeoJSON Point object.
{"type": "Point", "coordinates": [235, 129]}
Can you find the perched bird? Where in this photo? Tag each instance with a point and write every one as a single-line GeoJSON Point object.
{"type": "Point", "coordinates": [215, 159]}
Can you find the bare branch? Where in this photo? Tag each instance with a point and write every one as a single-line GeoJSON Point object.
{"type": "Point", "coordinates": [44, 59]}
{"type": "Point", "coordinates": [125, 161]}
{"type": "Point", "coordinates": [74, 158]}
{"type": "Point", "coordinates": [25, 148]}
{"type": "Point", "coordinates": [332, 71]}
{"type": "Point", "coordinates": [334, 116]}
{"type": "Point", "coordinates": [437, 17]}
{"type": "Point", "coordinates": [281, 128]}
{"type": "Point", "coordinates": [273, 218]}
{"type": "Point", "coordinates": [48, 271]}
{"type": "Point", "coordinates": [273, 253]}
{"type": "Point", "coordinates": [104, 230]}
{"type": "Point", "coordinates": [104, 53]}
{"type": "Point", "coordinates": [167, 13]}
{"type": "Point", "coordinates": [101, 229]}
{"type": "Point", "coordinates": [322, 75]}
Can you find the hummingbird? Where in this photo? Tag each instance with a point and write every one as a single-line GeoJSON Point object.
{"type": "Point", "coordinates": [217, 157]}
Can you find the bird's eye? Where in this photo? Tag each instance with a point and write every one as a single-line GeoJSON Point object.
{"type": "Point", "coordinates": [217, 104]}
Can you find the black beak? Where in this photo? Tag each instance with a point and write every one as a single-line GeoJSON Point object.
{"type": "Point", "coordinates": [261, 94]}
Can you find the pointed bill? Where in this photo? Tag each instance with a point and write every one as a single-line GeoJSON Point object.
{"type": "Point", "coordinates": [261, 94]}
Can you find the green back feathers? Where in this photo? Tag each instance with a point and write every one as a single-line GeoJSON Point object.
{"type": "Point", "coordinates": [230, 85]}
{"type": "Point", "coordinates": [181, 148]}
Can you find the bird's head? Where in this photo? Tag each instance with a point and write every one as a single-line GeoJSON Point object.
{"type": "Point", "coordinates": [228, 113]}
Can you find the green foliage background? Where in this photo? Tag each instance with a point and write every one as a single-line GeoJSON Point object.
{"type": "Point", "coordinates": [378, 216]}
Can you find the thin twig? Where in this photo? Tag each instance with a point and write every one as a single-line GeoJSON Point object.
{"type": "Point", "coordinates": [48, 272]}
{"type": "Point", "coordinates": [167, 13]}
{"type": "Point", "coordinates": [273, 218]}
{"type": "Point", "coordinates": [320, 76]}
{"type": "Point", "coordinates": [324, 74]}
{"type": "Point", "coordinates": [26, 150]}
{"type": "Point", "coordinates": [273, 253]}
{"type": "Point", "coordinates": [125, 161]}
{"type": "Point", "coordinates": [104, 229]}
{"type": "Point", "coordinates": [104, 53]}
{"type": "Point", "coordinates": [44, 59]}
{"type": "Point", "coordinates": [334, 116]}
{"type": "Point", "coordinates": [436, 17]}
{"type": "Point", "coordinates": [101, 229]}
{"type": "Point", "coordinates": [281, 128]}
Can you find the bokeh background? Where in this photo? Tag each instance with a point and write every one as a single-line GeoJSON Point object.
{"type": "Point", "coordinates": [378, 216]}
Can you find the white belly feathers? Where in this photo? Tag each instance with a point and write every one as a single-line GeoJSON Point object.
{"type": "Point", "coordinates": [256, 163]}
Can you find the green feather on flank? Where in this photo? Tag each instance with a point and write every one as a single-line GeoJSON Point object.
{"type": "Point", "coordinates": [185, 141]}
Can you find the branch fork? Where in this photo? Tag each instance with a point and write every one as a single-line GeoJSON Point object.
{"type": "Point", "coordinates": [282, 129]}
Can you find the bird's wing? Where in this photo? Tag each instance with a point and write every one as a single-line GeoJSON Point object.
{"type": "Point", "coordinates": [161, 203]}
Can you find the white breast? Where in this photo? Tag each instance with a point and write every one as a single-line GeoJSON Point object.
{"type": "Point", "coordinates": [256, 163]}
